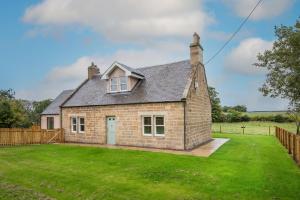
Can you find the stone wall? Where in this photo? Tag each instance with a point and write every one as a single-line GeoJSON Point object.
{"type": "Point", "coordinates": [198, 110]}
{"type": "Point", "coordinates": [129, 124]}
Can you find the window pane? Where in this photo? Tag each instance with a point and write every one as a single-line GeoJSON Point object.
{"type": "Point", "coordinates": [159, 120]}
{"type": "Point", "coordinates": [147, 120]}
{"type": "Point", "coordinates": [147, 130]}
{"type": "Point", "coordinates": [81, 120]}
{"type": "Point", "coordinates": [160, 130]}
{"type": "Point", "coordinates": [113, 88]}
{"type": "Point", "coordinates": [123, 87]}
{"type": "Point", "coordinates": [74, 124]}
{"type": "Point", "coordinates": [74, 120]}
{"type": "Point", "coordinates": [82, 128]}
{"type": "Point", "coordinates": [123, 80]}
{"type": "Point", "coordinates": [114, 81]}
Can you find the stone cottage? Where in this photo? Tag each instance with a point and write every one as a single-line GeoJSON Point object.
{"type": "Point", "coordinates": [164, 106]}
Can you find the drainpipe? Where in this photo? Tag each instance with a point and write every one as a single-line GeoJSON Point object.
{"type": "Point", "coordinates": [61, 129]}
{"type": "Point", "coordinates": [184, 124]}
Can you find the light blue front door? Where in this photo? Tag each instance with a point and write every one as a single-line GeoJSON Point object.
{"type": "Point", "coordinates": [111, 130]}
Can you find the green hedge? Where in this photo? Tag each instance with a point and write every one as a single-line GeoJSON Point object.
{"type": "Point", "coordinates": [235, 116]}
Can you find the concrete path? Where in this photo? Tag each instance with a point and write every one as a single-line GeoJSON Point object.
{"type": "Point", "coordinates": [204, 150]}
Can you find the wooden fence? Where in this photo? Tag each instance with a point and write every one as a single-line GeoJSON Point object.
{"type": "Point", "coordinates": [34, 135]}
{"type": "Point", "coordinates": [290, 141]}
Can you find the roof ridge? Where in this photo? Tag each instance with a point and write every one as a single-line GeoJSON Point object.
{"type": "Point", "coordinates": [164, 64]}
{"type": "Point", "coordinates": [68, 90]}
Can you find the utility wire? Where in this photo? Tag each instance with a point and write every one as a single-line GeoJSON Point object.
{"type": "Point", "coordinates": [232, 36]}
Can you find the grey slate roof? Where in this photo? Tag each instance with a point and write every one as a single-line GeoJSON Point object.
{"type": "Point", "coordinates": [53, 108]}
{"type": "Point", "coordinates": [162, 83]}
{"type": "Point", "coordinates": [136, 71]}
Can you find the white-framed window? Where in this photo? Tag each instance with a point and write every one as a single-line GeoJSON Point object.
{"type": "Point", "coordinates": [159, 125]}
{"type": "Point", "coordinates": [114, 84]}
{"type": "Point", "coordinates": [123, 83]}
{"type": "Point", "coordinates": [153, 125]}
{"type": "Point", "coordinates": [74, 124]}
{"type": "Point", "coordinates": [50, 123]}
{"type": "Point", "coordinates": [81, 122]}
{"type": "Point", "coordinates": [147, 125]}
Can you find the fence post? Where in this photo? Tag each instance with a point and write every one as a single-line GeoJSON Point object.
{"type": "Point", "coordinates": [289, 143]}
{"type": "Point", "coordinates": [9, 136]}
{"type": "Point", "coordinates": [297, 150]}
{"type": "Point", "coordinates": [62, 135]}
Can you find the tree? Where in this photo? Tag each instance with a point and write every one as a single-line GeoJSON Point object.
{"type": "Point", "coordinates": [226, 108]}
{"type": "Point", "coordinates": [12, 112]}
{"type": "Point", "coordinates": [240, 108]}
{"type": "Point", "coordinates": [233, 116]}
{"type": "Point", "coordinates": [283, 68]}
{"type": "Point", "coordinates": [6, 114]}
{"type": "Point", "coordinates": [7, 94]}
{"type": "Point", "coordinates": [216, 107]}
{"type": "Point", "coordinates": [37, 108]}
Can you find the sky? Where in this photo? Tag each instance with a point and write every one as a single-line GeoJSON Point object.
{"type": "Point", "coordinates": [46, 46]}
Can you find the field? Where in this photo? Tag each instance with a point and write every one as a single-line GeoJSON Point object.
{"type": "Point", "coordinates": [264, 113]}
{"type": "Point", "coordinates": [261, 128]}
{"type": "Point", "coordinates": [246, 167]}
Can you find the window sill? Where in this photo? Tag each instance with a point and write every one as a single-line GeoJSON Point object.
{"type": "Point", "coordinates": [123, 91]}
{"type": "Point", "coordinates": [159, 135]}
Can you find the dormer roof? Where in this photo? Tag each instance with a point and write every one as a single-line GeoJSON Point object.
{"type": "Point", "coordinates": [128, 71]}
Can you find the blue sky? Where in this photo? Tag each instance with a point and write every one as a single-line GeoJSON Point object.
{"type": "Point", "coordinates": [46, 46]}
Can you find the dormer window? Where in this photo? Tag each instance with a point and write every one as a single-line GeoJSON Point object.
{"type": "Point", "coordinates": [118, 84]}
{"type": "Point", "coordinates": [121, 78]}
{"type": "Point", "coordinates": [114, 84]}
{"type": "Point", "coordinates": [123, 83]}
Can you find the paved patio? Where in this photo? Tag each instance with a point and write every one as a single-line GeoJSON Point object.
{"type": "Point", "coordinates": [204, 150]}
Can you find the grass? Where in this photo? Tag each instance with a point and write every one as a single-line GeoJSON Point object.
{"type": "Point", "coordinates": [246, 167]}
{"type": "Point", "coordinates": [252, 127]}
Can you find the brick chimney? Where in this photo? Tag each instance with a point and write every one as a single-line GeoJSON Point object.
{"type": "Point", "coordinates": [196, 50]}
{"type": "Point", "coordinates": [93, 70]}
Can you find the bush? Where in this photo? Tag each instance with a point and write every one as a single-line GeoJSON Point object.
{"type": "Point", "coordinates": [271, 118]}
{"type": "Point", "coordinates": [245, 118]}
{"type": "Point", "coordinates": [233, 116]}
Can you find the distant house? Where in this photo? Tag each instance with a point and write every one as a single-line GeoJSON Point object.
{"type": "Point", "coordinates": [164, 106]}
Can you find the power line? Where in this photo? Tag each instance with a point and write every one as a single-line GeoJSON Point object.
{"type": "Point", "coordinates": [232, 36]}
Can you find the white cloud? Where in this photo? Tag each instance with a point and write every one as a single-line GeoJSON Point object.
{"type": "Point", "coordinates": [70, 76]}
{"type": "Point", "coordinates": [267, 9]}
{"type": "Point", "coordinates": [252, 98]}
{"type": "Point", "coordinates": [123, 20]}
{"type": "Point", "coordinates": [242, 58]}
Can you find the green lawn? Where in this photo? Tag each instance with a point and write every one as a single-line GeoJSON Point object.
{"type": "Point", "coordinates": [246, 167]}
{"type": "Point", "coordinates": [261, 128]}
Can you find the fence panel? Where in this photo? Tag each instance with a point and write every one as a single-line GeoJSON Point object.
{"type": "Point", "coordinates": [34, 135]}
{"type": "Point", "coordinates": [290, 141]}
